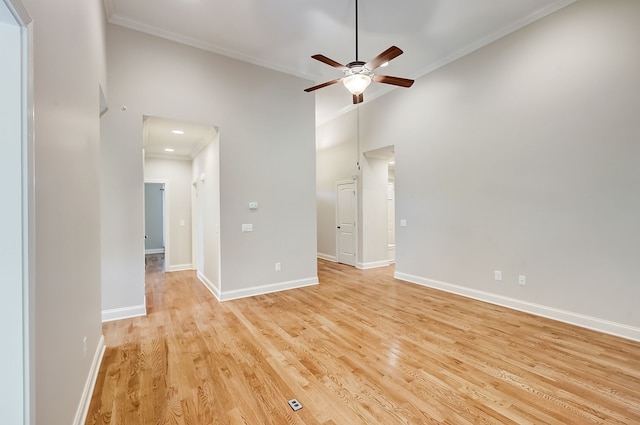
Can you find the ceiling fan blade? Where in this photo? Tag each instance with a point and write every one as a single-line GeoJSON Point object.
{"type": "Point", "coordinates": [358, 98]}
{"type": "Point", "coordinates": [386, 56]}
{"type": "Point", "coordinates": [329, 62]}
{"type": "Point", "coordinates": [319, 86]}
{"type": "Point", "coordinates": [396, 81]}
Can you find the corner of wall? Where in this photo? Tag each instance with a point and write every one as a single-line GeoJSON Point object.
{"type": "Point", "coordinates": [85, 399]}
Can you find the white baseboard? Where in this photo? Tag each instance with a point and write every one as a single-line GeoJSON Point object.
{"type": "Point", "coordinates": [327, 257]}
{"type": "Point", "coordinates": [266, 289]}
{"type": "Point", "coordinates": [85, 400]}
{"type": "Point", "coordinates": [154, 251]}
{"type": "Point", "coordinates": [373, 264]}
{"type": "Point", "coordinates": [593, 323]}
{"type": "Point", "coordinates": [209, 285]}
{"type": "Point", "coordinates": [124, 313]}
{"type": "Point", "coordinates": [179, 267]}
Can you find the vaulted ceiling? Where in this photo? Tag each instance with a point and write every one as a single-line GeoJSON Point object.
{"type": "Point", "coordinates": [283, 34]}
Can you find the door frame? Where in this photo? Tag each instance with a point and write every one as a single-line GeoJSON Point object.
{"type": "Point", "coordinates": [197, 225]}
{"type": "Point", "coordinates": [19, 320]}
{"type": "Point", "coordinates": [353, 183]}
{"type": "Point", "coordinates": [165, 220]}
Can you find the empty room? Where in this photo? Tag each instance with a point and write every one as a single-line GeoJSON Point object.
{"type": "Point", "coordinates": [329, 212]}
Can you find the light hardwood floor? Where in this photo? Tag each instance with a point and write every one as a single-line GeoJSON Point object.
{"type": "Point", "coordinates": [360, 348]}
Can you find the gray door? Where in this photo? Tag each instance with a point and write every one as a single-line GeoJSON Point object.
{"type": "Point", "coordinates": [154, 218]}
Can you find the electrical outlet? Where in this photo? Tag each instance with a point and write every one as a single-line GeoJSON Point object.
{"type": "Point", "coordinates": [295, 404]}
{"type": "Point", "coordinates": [278, 267]}
{"type": "Point", "coordinates": [522, 280]}
{"type": "Point", "coordinates": [497, 275]}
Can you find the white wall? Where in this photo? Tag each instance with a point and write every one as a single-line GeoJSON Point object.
{"type": "Point", "coordinates": [207, 214]}
{"type": "Point", "coordinates": [69, 61]}
{"type": "Point", "coordinates": [524, 157]}
{"type": "Point", "coordinates": [177, 174]}
{"type": "Point", "coordinates": [267, 155]}
{"type": "Point", "coordinates": [122, 216]}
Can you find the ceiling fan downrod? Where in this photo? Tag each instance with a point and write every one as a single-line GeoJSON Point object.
{"type": "Point", "coordinates": [357, 31]}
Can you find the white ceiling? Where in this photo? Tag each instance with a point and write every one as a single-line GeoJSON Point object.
{"type": "Point", "coordinates": [283, 34]}
{"type": "Point", "coordinates": [158, 135]}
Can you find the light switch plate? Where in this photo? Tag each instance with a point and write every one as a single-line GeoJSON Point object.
{"type": "Point", "coordinates": [247, 227]}
{"type": "Point", "coordinates": [253, 205]}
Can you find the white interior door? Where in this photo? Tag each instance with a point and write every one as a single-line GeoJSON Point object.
{"type": "Point", "coordinates": [346, 223]}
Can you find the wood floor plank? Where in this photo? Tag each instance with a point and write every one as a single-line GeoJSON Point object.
{"type": "Point", "coordinates": [360, 348]}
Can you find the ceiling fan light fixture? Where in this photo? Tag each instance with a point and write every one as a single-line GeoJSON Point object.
{"type": "Point", "coordinates": [357, 83]}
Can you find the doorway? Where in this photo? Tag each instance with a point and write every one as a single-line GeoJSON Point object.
{"type": "Point", "coordinates": [175, 152]}
{"type": "Point", "coordinates": [378, 207]}
{"type": "Point", "coordinates": [391, 210]}
{"type": "Point", "coordinates": [155, 229]}
{"type": "Point", "coordinates": [346, 212]}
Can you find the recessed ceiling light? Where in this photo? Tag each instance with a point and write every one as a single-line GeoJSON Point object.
{"type": "Point", "coordinates": [178, 132]}
{"type": "Point", "coordinates": [168, 150]}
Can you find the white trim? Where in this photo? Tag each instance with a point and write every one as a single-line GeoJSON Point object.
{"type": "Point", "coordinates": [179, 268]}
{"type": "Point", "coordinates": [189, 41]}
{"type": "Point", "coordinates": [485, 41]}
{"type": "Point", "coordinates": [327, 257]}
{"type": "Point", "coordinates": [154, 251]}
{"type": "Point", "coordinates": [593, 323]}
{"type": "Point", "coordinates": [124, 313]}
{"type": "Point", "coordinates": [109, 8]}
{"type": "Point", "coordinates": [465, 50]}
{"type": "Point", "coordinates": [29, 267]}
{"type": "Point", "coordinates": [209, 285]}
{"type": "Point", "coordinates": [267, 289]}
{"type": "Point", "coordinates": [23, 405]}
{"type": "Point", "coordinates": [19, 12]}
{"type": "Point", "coordinates": [85, 400]}
{"type": "Point", "coordinates": [373, 264]}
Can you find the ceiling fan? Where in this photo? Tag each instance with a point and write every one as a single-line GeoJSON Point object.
{"type": "Point", "coordinates": [358, 75]}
